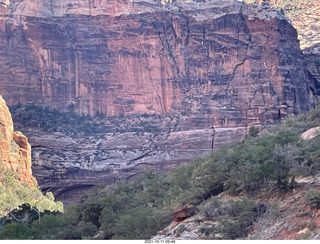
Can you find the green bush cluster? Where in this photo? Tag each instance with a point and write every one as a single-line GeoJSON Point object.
{"type": "Point", "coordinates": [234, 217]}
{"type": "Point", "coordinates": [303, 121]}
{"type": "Point", "coordinates": [239, 216]}
{"type": "Point", "coordinates": [51, 120]}
{"type": "Point", "coordinates": [129, 211]}
{"type": "Point", "coordinates": [251, 165]}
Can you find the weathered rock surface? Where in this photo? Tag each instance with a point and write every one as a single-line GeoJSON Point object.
{"type": "Point", "coordinates": [217, 67]}
{"type": "Point", "coordinates": [304, 16]}
{"type": "Point", "coordinates": [15, 151]}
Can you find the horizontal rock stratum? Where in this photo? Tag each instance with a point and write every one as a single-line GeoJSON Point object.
{"type": "Point", "coordinates": [217, 67]}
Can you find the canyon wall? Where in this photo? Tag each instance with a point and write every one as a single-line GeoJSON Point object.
{"type": "Point", "coordinates": [208, 70]}
{"type": "Point", "coordinates": [231, 62]}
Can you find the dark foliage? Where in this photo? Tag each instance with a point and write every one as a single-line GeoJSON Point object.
{"type": "Point", "coordinates": [52, 120]}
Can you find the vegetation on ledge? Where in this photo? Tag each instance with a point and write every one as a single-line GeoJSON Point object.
{"type": "Point", "coordinates": [52, 120]}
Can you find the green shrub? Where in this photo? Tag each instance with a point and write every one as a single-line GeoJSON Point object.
{"type": "Point", "coordinates": [16, 231]}
{"type": "Point", "coordinates": [92, 214]}
{"type": "Point", "coordinates": [239, 216]}
{"type": "Point", "coordinates": [212, 208]}
{"type": "Point", "coordinates": [253, 131]}
{"type": "Point", "coordinates": [234, 217]}
{"type": "Point", "coordinates": [138, 223]}
{"type": "Point", "coordinates": [48, 228]}
{"type": "Point", "coordinates": [313, 198]}
{"type": "Point", "coordinates": [14, 147]}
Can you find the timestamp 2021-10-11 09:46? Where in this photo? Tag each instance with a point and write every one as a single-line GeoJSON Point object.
{"type": "Point", "coordinates": [160, 241]}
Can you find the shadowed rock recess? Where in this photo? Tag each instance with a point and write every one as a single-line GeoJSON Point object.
{"type": "Point", "coordinates": [205, 71]}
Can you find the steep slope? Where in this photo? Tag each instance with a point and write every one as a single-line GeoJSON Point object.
{"type": "Point", "coordinates": [262, 212]}
{"type": "Point", "coordinates": [289, 217]}
{"type": "Point", "coordinates": [208, 71]}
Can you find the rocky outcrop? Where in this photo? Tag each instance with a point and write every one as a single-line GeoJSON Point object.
{"type": "Point", "coordinates": [210, 70]}
{"type": "Point", "coordinates": [305, 18]}
{"type": "Point", "coordinates": [15, 151]}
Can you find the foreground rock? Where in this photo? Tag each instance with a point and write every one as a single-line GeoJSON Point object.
{"type": "Point", "coordinates": [15, 151]}
{"type": "Point", "coordinates": [311, 133]}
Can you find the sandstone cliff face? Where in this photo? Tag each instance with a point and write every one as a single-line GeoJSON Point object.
{"type": "Point", "coordinates": [209, 70]}
{"type": "Point", "coordinates": [232, 63]}
{"type": "Point", "coordinates": [15, 151]}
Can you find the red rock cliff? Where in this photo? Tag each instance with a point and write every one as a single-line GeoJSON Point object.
{"type": "Point", "coordinates": [15, 151]}
{"type": "Point", "coordinates": [234, 64]}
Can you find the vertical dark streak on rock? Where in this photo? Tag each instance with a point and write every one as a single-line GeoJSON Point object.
{"type": "Point", "coordinates": [77, 69]}
{"type": "Point", "coordinates": [168, 46]}
{"type": "Point", "coordinates": [212, 141]}
{"type": "Point", "coordinates": [187, 24]}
